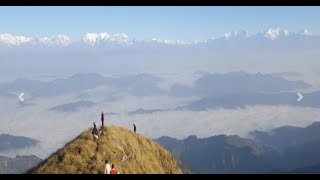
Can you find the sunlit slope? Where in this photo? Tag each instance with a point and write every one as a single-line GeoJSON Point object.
{"type": "Point", "coordinates": [83, 155]}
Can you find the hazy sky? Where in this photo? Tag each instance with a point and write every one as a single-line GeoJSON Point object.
{"type": "Point", "coordinates": [185, 23]}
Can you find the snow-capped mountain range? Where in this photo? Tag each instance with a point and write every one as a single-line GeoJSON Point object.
{"type": "Point", "coordinates": [121, 39]}
{"type": "Point", "coordinates": [270, 34]}
{"type": "Point", "coordinates": [93, 39]}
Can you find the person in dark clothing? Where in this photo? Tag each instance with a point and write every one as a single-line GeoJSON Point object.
{"type": "Point", "coordinates": [102, 119]}
{"type": "Point", "coordinates": [101, 133]}
{"type": "Point", "coordinates": [134, 128]}
{"type": "Point", "coordinates": [95, 132]}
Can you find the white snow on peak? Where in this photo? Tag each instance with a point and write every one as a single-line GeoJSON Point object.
{"type": "Point", "coordinates": [170, 42]}
{"type": "Point", "coordinates": [118, 37]}
{"type": "Point", "coordinates": [14, 40]}
{"type": "Point", "coordinates": [274, 33]}
{"type": "Point", "coordinates": [237, 34]}
{"type": "Point", "coordinates": [93, 38]}
{"type": "Point", "coordinates": [104, 38]}
{"type": "Point", "coordinates": [227, 35]}
{"type": "Point", "coordinates": [306, 33]}
{"type": "Point", "coordinates": [60, 40]}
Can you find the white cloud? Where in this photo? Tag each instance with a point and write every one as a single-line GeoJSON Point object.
{"type": "Point", "coordinates": [55, 129]}
{"type": "Point", "coordinates": [60, 40]}
{"type": "Point", "coordinates": [181, 124]}
{"type": "Point", "coordinates": [14, 40]}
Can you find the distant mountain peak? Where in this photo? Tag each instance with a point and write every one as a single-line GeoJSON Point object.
{"type": "Point", "coordinates": [242, 34]}
{"type": "Point", "coordinates": [170, 42]}
{"type": "Point", "coordinates": [315, 124]}
{"type": "Point", "coordinates": [93, 39]}
{"type": "Point", "coordinates": [274, 33]}
{"type": "Point", "coordinates": [83, 75]}
{"type": "Point", "coordinates": [104, 39]}
{"type": "Point", "coordinates": [19, 164]}
{"type": "Point", "coordinates": [10, 142]}
{"type": "Point", "coordinates": [59, 40]}
{"type": "Point", "coordinates": [285, 128]}
{"type": "Point", "coordinates": [305, 32]}
{"type": "Point", "coordinates": [10, 39]}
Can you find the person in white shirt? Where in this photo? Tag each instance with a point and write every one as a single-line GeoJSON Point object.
{"type": "Point", "coordinates": [107, 168]}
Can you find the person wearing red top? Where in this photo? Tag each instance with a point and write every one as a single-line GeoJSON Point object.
{"type": "Point", "coordinates": [113, 170]}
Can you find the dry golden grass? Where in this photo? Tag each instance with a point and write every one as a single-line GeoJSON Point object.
{"type": "Point", "coordinates": [83, 155]}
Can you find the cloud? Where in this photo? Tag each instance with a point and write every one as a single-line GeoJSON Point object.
{"type": "Point", "coordinates": [181, 124]}
{"type": "Point", "coordinates": [60, 40]}
{"type": "Point", "coordinates": [54, 129]}
{"type": "Point", "coordinates": [14, 40]}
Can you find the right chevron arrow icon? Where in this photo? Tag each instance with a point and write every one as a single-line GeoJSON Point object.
{"type": "Point", "coordinates": [300, 97]}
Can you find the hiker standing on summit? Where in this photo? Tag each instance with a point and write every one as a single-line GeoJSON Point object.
{"type": "Point", "coordinates": [95, 132]}
{"type": "Point", "coordinates": [101, 133]}
{"type": "Point", "coordinates": [102, 119]}
{"type": "Point", "coordinates": [134, 128]}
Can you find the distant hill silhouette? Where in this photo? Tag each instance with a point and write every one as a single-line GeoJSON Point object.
{"type": "Point", "coordinates": [285, 149]}
{"type": "Point", "coordinates": [288, 136]}
{"type": "Point", "coordinates": [138, 85]}
{"type": "Point", "coordinates": [218, 154]}
{"type": "Point", "coordinates": [18, 165]}
{"type": "Point", "coordinates": [220, 85]}
{"type": "Point", "coordinates": [10, 142]}
{"type": "Point", "coordinates": [242, 100]}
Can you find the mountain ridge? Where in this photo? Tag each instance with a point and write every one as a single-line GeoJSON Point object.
{"type": "Point", "coordinates": [83, 155]}
{"type": "Point", "coordinates": [9, 142]}
{"type": "Point", "coordinates": [104, 39]}
{"type": "Point", "coordinates": [286, 149]}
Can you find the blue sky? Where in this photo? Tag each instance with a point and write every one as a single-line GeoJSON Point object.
{"type": "Point", "coordinates": [185, 23]}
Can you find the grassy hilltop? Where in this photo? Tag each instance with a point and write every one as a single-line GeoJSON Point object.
{"type": "Point", "coordinates": [83, 155]}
